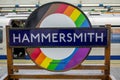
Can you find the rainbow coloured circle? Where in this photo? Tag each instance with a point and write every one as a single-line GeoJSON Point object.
{"type": "Point", "coordinates": [79, 19]}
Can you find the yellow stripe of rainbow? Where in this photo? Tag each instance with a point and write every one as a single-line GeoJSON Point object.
{"type": "Point", "coordinates": [75, 14]}
{"type": "Point", "coordinates": [46, 62]}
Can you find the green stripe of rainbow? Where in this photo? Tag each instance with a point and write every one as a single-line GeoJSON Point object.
{"type": "Point", "coordinates": [77, 17]}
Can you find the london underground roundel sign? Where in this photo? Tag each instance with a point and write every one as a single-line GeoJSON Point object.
{"type": "Point", "coordinates": [57, 15]}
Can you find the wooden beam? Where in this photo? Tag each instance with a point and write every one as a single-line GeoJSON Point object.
{"type": "Point", "coordinates": [16, 76]}
{"type": "Point", "coordinates": [87, 67]}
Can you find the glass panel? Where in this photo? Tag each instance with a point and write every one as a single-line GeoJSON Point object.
{"type": "Point", "coordinates": [18, 23]}
{"type": "Point", "coordinates": [115, 36]}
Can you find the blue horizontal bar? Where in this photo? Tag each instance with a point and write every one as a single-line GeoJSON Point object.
{"type": "Point", "coordinates": [3, 57]}
{"type": "Point", "coordinates": [93, 57]}
{"type": "Point", "coordinates": [58, 37]}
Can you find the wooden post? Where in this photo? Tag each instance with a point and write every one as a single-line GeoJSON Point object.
{"type": "Point", "coordinates": [9, 55]}
{"type": "Point", "coordinates": [107, 54]}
